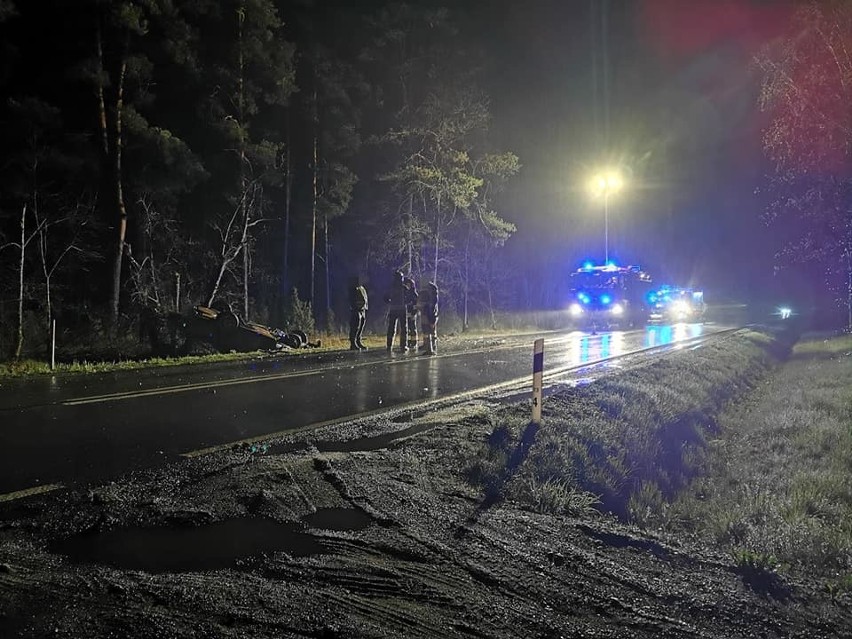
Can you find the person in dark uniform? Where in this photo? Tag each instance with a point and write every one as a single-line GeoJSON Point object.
{"type": "Point", "coordinates": [428, 303]}
{"type": "Point", "coordinates": [411, 311]}
{"type": "Point", "coordinates": [395, 298]}
{"type": "Point", "coordinates": [358, 304]}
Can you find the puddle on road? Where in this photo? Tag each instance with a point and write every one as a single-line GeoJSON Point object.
{"type": "Point", "coordinates": [210, 547]}
{"type": "Point", "coordinates": [338, 519]}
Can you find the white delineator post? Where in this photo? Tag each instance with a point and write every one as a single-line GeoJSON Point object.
{"type": "Point", "coordinates": [538, 370]}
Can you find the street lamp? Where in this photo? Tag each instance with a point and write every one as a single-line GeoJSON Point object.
{"type": "Point", "coordinates": [603, 184]}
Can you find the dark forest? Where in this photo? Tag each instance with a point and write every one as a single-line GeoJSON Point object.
{"type": "Point", "coordinates": [160, 154]}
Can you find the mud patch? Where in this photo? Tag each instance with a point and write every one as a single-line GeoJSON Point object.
{"type": "Point", "coordinates": [214, 546]}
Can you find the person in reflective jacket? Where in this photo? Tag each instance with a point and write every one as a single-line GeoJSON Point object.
{"type": "Point", "coordinates": [395, 297]}
{"type": "Point", "coordinates": [428, 303]}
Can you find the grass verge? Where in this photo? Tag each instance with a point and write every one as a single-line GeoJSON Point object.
{"type": "Point", "coordinates": [735, 443]}
{"type": "Point", "coordinates": [31, 367]}
{"type": "Point", "coordinates": [778, 488]}
{"type": "Point", "coordinates": [629, 441]}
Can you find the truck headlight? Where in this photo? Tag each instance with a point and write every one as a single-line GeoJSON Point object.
{"type": "Point", "coordinates": [681, 308]}
{"type": "Point", "coordinates": [617, 309]}
{"type": "Point", "coordinates": [576, 310]}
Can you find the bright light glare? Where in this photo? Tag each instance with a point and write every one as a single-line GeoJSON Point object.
{"type": "Point", "coordinates": [681, 307]}
{"type": "Point", "coordinates": [576, 310]}
{"type": "Point", "coordinates": [606, 182]}
{"type": "Point", "coordinates": [617, 309]}
{"type": "Point", "coordinates": [785, 312]}
{"type": "Point", "coordinates": [614, 182]}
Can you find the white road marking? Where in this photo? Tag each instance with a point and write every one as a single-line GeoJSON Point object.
{"type": "Point", "coordinates": [28, 492]}
{"type": "Point", "coordinates": [184, 388]}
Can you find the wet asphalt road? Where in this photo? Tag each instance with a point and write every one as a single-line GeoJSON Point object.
{"type": "Point", "coordinates": [72, 430]}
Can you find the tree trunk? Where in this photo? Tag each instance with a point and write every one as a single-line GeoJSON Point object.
{"type": "Point", "coordinates": [245, 211]}
{"type": "Point", "coordinates": [465, 320]}
{"type": "Point", "coordinates": [327, 276]}
{"type": "Point", "coordinates": [177, 292]}
{"type": "Point", "coordinates": [119, 196]}
{"type": "Point", "coordinates": [410, 232]}
{"type": "Point", "coordinates": [222, 267]}
{"type": "Point", "coordinates": [102, 114]}
{"type": "Point", "coordinates": [42, 247]}
{"type": "Point", "coordinates": [288, 190]}
{"type": "Point", "coordinates": [314, 221]}
{"type": "Point", "coordinates": [437, 237]}
{"type": "Point", "coordinates": [246, 269]}
{"type": "Point", "coordinates": [491, 305]}
{"type": "Point", "coordinates": [20, 345]}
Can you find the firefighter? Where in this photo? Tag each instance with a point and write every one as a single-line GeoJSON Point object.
{"type": "Point", "coordinates": [358, 304]}
{"type": "Point", "coordinates": [428, 303]}
{"type": "Point", "coordinates": [395, 298]}
{"type": "Point", "coordinates": [411, 311]}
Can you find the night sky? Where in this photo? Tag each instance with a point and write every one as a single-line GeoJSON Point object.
{"type": "Point", "coordinates": [677, 83]}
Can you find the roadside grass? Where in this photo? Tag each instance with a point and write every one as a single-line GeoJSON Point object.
{"type": "Point", "coordinates": [779, 479]}
{"type": "Point", "coordinates": [27, 367]}
{"type": "Point", "coordinates": [30, 367]}
{"type": "Point", "coordinates": [625, 443]}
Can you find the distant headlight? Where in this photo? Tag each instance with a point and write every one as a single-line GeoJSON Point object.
{"type": "Point", "coordinates": [617, 309]}
{"type": "Point", "coordinates": [785, 312]}
{"type": "Point", "coordinates": [681, 308]}
{"type": "Point", "coordinates": [576, 310]}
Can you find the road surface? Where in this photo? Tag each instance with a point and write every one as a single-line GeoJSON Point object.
{"type": "Point", "coordinates": [76, 429]}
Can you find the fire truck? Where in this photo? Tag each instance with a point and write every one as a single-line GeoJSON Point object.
{"type": "Point", "coordinates": [609, 296]}
{"type": "Point", "coordinates": [676, 304]}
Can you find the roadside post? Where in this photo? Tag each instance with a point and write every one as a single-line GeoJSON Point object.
{"type": "Point", "coordinates": [538, 369]}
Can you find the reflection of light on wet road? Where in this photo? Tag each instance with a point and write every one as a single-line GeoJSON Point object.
{"type": "Point", "coordinates": [617, 343]}
{"type": "Point", "coordinates": [585, 348]}
{"type": "Point", "coordinates": [665, 334]}
{"type": "Point", "coordinates": [434, 376]}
